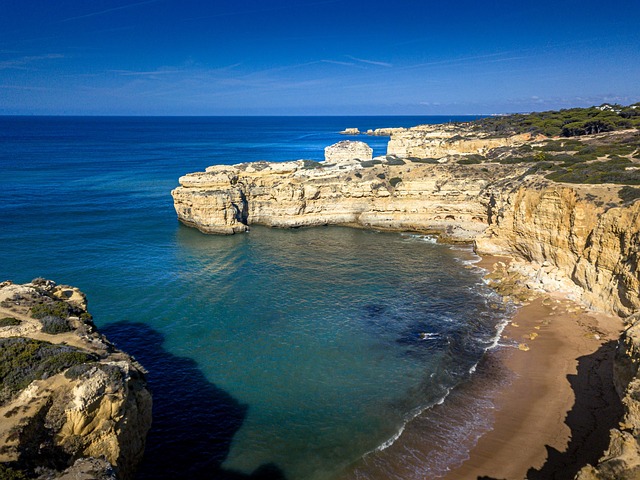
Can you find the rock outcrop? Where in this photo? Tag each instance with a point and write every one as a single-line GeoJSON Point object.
{"type": "Point", "coordinates": [586, 244]}
{"type": "Point", "coordinates": [347, 151]}
{"type": "Point", "coordinates": [385, 194]}
{"type": "Point", "coordinates": [437, 141]}
{"type": "Point", "coordinates": [71, 404]}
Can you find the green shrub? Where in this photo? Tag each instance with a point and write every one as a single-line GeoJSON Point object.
{"type": "Point", "coordinates": [54, 325]}
{"type": "Point", "coordinates": [423, 160]}
{"type": "Point", "coordinates": [370, 163]}
{"type": "Point", "coordinates": [392, 160]}
{"type": "Point", "coordinates": [23, 360]}
{"type": "Point", "coordinates": [395, 181]}
{"type": "Point", "coordinates": [471, 160]}
{"type": "Point", "coordinates": [310, 164]}
{"type": "Point", "coordinates": [629, 194]}
{"type": "Point", "coordinates": [381, 176]}
{"type": "Point", "coordinates": [8, 473]}
{"type": "Point", "coordinates": [9, 322]}
{"type": "Point", "coordinates": [55, 309]}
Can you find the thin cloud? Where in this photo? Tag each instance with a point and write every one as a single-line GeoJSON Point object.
{"type": "Point", "coordinates": [24, 62]}
{"type": "Point", "coordinates": [370, 62]}
{"type": "Point", "coordinates": [109, 10]}
{"type": "Point", "coordinates": [336, 62]}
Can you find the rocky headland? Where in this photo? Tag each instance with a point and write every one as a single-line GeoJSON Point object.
{"type": "Point", "coordinates": [561, 208]}
{"type": "Point", "coordinates": [72, 406]}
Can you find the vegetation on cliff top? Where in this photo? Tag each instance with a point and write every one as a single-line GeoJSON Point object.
{"type": "Point", "coordinates": [612, 158]}
{"type": "Point", "coordinates": [566, 123]}
{"type": "Point", "coordinates": [23, 360]}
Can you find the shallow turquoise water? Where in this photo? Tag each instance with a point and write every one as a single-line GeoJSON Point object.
{"type": "Point", "coordinates": [287, 352]}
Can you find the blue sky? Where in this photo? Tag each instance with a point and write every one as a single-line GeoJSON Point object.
{"type": "Point", "coordinates": [315, 57]}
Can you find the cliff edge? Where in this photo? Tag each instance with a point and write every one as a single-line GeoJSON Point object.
{"type": "Point", "coordinates": [71, 404]}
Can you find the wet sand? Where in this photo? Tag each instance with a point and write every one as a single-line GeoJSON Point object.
{"type": "Point", "coordinates": [539, 406]}
{"type": "Point", "coordinates": [554, 416]}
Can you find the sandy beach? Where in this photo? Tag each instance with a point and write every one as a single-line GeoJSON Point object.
{"type": "Point", "coordinates": [554, 415]}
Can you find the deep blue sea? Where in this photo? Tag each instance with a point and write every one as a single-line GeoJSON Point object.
{"type": "Point", "coordinates": [277, 354]}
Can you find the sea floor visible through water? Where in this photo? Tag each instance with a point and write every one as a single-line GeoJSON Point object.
{"type": "Point", "coordinates": [290, 353]}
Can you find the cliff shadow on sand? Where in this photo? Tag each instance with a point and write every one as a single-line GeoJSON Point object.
{"type": "Point", "coordinates": [194, 421]}
{"type": "Point", "coordinates": [596, 410]}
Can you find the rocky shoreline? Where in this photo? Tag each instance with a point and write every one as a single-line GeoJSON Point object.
{"type": "Point", "coordinates": [581, 239]}
{"type": "Point", "coordinates": [72, 406]}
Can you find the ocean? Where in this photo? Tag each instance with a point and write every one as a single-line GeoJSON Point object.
{"type": "Point", "coordinates": [277, 354]}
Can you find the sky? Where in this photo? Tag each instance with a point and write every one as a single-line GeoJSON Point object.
{"type": "Point", "coordinates": [315, 57]}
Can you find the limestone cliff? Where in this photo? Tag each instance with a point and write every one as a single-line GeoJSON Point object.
{"type": "Point", "coordinates": [437, 141]}
{"type": "Point", "coordinates": [71, 404]}
{"type": "Point", "coordinates": [588, 244]}
{"type": "Point", "coordinates": [384, 193]}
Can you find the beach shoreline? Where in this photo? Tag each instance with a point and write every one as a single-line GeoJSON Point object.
{"type": "Point", "coordinates": [554, 413]}
{"type": "Point", "coordinates": [539, 405]}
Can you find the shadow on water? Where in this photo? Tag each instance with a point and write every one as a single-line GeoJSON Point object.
{"type": "Point", "coordinates": [194, 421]}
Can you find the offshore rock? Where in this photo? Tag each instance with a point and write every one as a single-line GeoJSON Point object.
{"type": "Point", "coordinates": [347, 151]}
{"type": "Point", "coordinates": [71, 404]}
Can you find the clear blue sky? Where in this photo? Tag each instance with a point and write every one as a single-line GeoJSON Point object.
{"type": "Point", "coordinates": [315, 57]}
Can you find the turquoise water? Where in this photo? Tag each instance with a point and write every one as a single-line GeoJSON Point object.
{"type": "Point", "coordinates": [275, 354]}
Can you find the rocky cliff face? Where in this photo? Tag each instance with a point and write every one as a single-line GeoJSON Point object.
{"type": "Point", "coordinates": [579, 241]}
{"type": "Point", "coordinates": [71, 404]}
{"type": "Point", "coordinates": [384, 193]}
{"type": "Point", "coordinates": [437, 141]}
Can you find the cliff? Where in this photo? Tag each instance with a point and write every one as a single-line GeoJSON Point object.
{"type": "Point", "coordinates": [71, 404]}
{"type": "Point", "coordinates": [500, 193]}
{"type": "Point", "coordinates": [386, 193]}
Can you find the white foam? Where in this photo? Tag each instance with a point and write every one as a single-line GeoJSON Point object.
{"type": "Point", "coordinates": [423, 238]}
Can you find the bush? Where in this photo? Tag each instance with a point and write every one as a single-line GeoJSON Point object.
{"type": "Point", "coordinates": [423, 160]}
{"type": "Point", "coordinates": [55, 309]}
{"type": "Point", "coordinates": [23, 360]}
{"type": "Point", "coordinates": [9, 322]}
{"type": "Point", "coordinates": [370, 163]}
{"type": "Point", "coordinates": [310, 164]}
{"type": "Point", "coordinates": [8, 473]}
{"type": "Point", "coordinates": [471, 160]}
{"type": "Point", "coordinates": [395, 181]}
{"type": "Point", "coordinates": [391, 160]}
{"type": "Point", "coordinates": [629, 194]}
{"type": "Point", "coordinates": [54, 325]}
